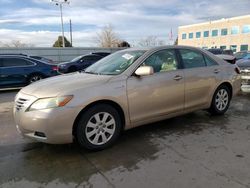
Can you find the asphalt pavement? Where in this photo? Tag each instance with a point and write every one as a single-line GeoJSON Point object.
{"type": "Point", "coordinates": [195, 150]}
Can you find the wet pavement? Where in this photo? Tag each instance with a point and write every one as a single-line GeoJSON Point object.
{"type": "Point", "coordinates": [195, 150]}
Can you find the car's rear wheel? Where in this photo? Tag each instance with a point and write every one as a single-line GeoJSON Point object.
{"type": "Point", "coordinates": [98, 127]}
{"type": "Point", "coordinates": [34, 78]}
{"type": "Point", "coordinates": [221, 100]}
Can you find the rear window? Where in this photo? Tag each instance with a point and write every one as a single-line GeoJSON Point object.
{"type": "Point", "coordinates": [192, 59]}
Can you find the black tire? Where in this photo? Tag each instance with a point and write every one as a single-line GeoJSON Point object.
{"type": "Point", "coordinates": [88, 117]}
{"type": "Point", "coordinates": [215, 108]}
{"type": "Point", "coordinates": [34, 78]}
{"type": "Point", "coordinates": [72, 69]}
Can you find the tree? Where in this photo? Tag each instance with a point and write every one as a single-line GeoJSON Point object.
{"type": "Point", "coordinates": [107, 38]}
{"type": "Point", "coordinates": [59, 42]}
{"type": "Point", "coordinates": [176, 41]}
{"type": "Point", "coordinates": [151, 41]}
{"type": "Point", "coordinates": [123, 44]}
{"type": "Point", "coordinates": [16, 44]}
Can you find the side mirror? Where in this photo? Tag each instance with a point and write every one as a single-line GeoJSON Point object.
{"type": "Point", "coordinates": [144, 71]}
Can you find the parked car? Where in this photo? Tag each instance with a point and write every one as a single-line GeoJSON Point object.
{"type": "Point", "coordinates": [218, 51]}
{"type": "Point", "coordinates": [21, 70]}
{"type": "Point", "coordinates": [242, 55]}
{"type": "Point", "coordinates": [43, 59]}
{"type": "Point", "coordinates": [81, 62]}
{"type": "Point", "coordinates": [244, 66]}
{"type": "Point", "coordinates": [127, 89]}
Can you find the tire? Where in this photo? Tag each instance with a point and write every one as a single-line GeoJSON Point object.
{"type": "Point", "coordinates": [221, 100]}
{"type": "Point", "coordinates": [98, 127]}
{"type": "Point", "coordinates": [72, 69]}
{"type": "Point", "coordinates": [34, 78]}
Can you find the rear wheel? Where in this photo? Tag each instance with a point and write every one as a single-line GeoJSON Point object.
{"type": "Point", "coordinates": [221, 100]}
{"type": "Point", "coordinates": [98, 127]}
{"type": "Point", "coordinates": [35, 78]}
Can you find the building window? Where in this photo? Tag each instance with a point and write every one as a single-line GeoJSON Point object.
{"type": "Point", "coordinates": [206, 33]}
{"type": "Point", "coordinates": [233, 48]}
{"type": "Point", "coordinates": [223, 32]}
{"type": "Point", "coordinates": [191, 35]}
{"type": "Point", "coordinates": [198, 35]}
{"type": "Point", "coordinates": [244, 47]}
{"type": "Point", "coordinates": [215, 33]}
{"type": "Point", "coordinates": [235, 30]}
{"type": "Point", "coordinates": [246, 29]}
{"type": "Point", "coordinates": [184, 36]}
{"type": "Point", "coordinates": [223, 47]}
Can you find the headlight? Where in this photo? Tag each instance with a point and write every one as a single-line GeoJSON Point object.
{"type": "Point", "coordinates": [52, 102]}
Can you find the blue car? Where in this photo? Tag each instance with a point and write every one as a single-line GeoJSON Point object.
{"type": "Point", "coordinates": [21, 70]}
{"type": "Point", "coordinates": [81, 62]}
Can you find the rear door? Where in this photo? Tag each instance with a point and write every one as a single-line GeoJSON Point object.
{"type": "Point", "coordinates": [201, 75]}
{"type": "Point", "coordinates": [15, 70]}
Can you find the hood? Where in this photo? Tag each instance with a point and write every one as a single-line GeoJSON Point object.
{"type": "Point", "coordinates": [66, 63]}
{"type": "Point", "coordinates": [242, 63]}
{"type": "Point", "coordinates": [64, 84]}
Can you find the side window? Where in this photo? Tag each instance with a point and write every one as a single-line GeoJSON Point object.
{"type": "Point", "coordinates": [91, 58]}
{"type": "Point", "coordinates": [162, 61]}
{"type": "Point", "coordinates": [192, 59]}
{"type": "Point", "coordinates": [14, 62]}
{"type": "Point", "coordinates": [209, 61]}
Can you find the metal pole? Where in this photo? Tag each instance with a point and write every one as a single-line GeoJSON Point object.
{"type": "Point", "coordinates": [70, 23]}
{"type": "Point", "coordinates": [62, 25]}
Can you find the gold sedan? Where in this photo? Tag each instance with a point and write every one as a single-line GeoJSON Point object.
{"type": "Point", "coordinates": [126, 89]}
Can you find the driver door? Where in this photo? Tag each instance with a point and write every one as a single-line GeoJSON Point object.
{"type": "Point", "coordinates": [159, 94]}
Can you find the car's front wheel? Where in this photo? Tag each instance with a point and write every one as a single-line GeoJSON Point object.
{"type": "Point", "coordinates": [98, 127]}
{"type": "Point", "coordinates": [221, 100]}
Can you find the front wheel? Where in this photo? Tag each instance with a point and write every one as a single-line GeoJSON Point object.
{"type": "Point", "coordinates": [98, 127]}
{"type": "Point", "coordinates": [221, 101]}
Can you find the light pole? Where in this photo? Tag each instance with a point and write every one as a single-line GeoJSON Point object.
{"type": "Point", "coordinates": [60, 4]}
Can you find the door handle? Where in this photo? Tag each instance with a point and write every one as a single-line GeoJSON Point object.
{"type": "Point", "coordinates": [177, 77]}
{"type": "Point", "coordinates": [216, 71]}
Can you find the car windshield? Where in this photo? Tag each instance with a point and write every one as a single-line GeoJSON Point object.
{"type": "Point", "coordinates": [242, 55]}
{"type": "Point", "coordinates": [116, 63]}
{"type": "Point", "coordinates": [76, 59]}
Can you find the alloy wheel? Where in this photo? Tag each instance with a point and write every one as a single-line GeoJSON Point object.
{"type": "Point", "coordinates": [221, 99]}
{"type": "Point", "coordinates": [100, 128]}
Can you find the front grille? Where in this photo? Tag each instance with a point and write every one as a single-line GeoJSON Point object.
{"type": "Point", "coordinates": [20, 103]}
{"type": "Point", "coordinates": [245, 82]}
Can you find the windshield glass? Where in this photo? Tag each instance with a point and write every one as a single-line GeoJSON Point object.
{"type": "Point", "coordinates": [116, 63]}
{"type": "Point", "coordinates": [76, 59]}
{"type": "Point", "coordinates": [240, 55]}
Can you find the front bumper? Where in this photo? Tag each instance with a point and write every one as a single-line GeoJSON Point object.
{"type": "Point", "coordinates": [52, 126]}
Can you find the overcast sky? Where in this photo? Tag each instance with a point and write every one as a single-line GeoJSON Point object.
{"type": "Point", "coordinates": [38, 21]}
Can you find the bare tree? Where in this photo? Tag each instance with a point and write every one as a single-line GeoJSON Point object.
{"type": "Point", "coordinates": [107, 38]}
{"type": "Point", "coordinates": [151, 41]}
{"type": "Point", "coordinates": [16, 44]}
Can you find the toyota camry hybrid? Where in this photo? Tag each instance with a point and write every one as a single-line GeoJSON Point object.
{"type": "Point", "coordinates": [127, 89]}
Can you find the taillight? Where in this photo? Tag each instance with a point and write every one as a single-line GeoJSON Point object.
{"type": "Point", "coordinates": [55, 68]}
{"type": "Point", "coordinates": [237, 70]}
